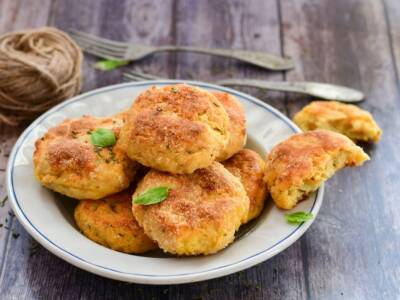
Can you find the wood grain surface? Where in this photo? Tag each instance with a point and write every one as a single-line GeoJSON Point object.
{"type": "Point", "coordinates": [352, 251]}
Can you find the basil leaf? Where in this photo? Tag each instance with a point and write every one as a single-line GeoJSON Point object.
{"type": "Point", "coordinates": [298, 217]}
{"type": "Point", "coordinates": [102, 137]}
{"type": "Point", "coordinates": [108, 65]}
{"type": "Point", "coordinates": [152, 196]}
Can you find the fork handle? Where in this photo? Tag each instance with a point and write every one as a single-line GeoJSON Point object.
{"type": "Point", "coordinates": [260, 59]}
{"type": "Point", "coordinates": [317, 89]}
{"type": "Point", "coordinates": [283, 86]}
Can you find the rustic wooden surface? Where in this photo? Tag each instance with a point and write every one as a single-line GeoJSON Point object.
{"type": "Point", "coordinates": [352, 251]}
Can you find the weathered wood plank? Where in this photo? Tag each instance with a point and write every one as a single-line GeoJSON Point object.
{"type": "Point", "coordinates": [146, 22]}
{"type": "Point", "coordinates": [43, 275]}
{"type": "Point", "coordinates": [238, 24]}
{"type": "Point", "coordinates": [228, 24]}
{"type": "Point", "coordinates": [22, 14]}
{"type": "Point", "coordinates": [8, 136]}
{"type": "Point", "coordinates": [392, 14]}
{"type": "Point", "coordinates": [13, 16]}
{"type": "Point", "coordinates": [352, 249]}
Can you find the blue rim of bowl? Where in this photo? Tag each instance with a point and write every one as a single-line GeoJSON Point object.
{"type": "Point", "coordinates": [36, 232]}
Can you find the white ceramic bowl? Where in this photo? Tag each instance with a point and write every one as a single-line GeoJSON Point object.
{"type": "Point", "coordinates": [48, 216]}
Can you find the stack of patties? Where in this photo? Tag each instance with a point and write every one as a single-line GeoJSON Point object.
{"type": "Point", "coordinates": [171, 171]}
{"type": "Point", "coordinates": [180, 133]}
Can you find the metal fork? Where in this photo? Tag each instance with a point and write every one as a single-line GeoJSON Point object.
{"type": "Point", "coordinates": [316, 89]}
{"type": "Point", "coordinates": [124, 51]}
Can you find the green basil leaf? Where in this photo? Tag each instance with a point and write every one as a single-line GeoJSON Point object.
{"type": "Point", "coordinates": [298, 217]}
{"type": "Point", "coordinates": [108, 65]}
{"type": "Point", "coordinates": [152, 196]}
{"type": "Point", "coordinates": [102, 137]}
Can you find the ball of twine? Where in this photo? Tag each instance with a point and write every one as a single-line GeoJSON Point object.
{"type": "Point", "coordinates": [38, 69]}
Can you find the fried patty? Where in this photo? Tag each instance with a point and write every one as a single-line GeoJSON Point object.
{"type": "Point", "coordinates": [67, 162]}
{"type": "Point", "coordinates": [201, 214]}
{"type": "Point", "coordinates": [109, 222]}
{"type": "Point", "coordinates": [347, 119]}
{"type": "Point", "coordinates": [178, 129]}
{"type": "Point", "coordinates": [299, 165]}
{"type": "Point", "coordinates": [237, 125]}
{"type": "Point", "coordinates": [249, 167]}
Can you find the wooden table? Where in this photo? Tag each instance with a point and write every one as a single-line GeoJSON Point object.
{"type": "Point", "coordinates": [352, 251]}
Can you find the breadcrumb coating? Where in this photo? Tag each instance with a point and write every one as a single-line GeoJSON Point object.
{"type": "Point", "coordinates": [201, 214]}
{"type": "Point", "coordinates": [67, 162]}
{"type": "Point", "coordinates": [299, 165]}
{"type": "Point", "coordinates": [347, 119]}
{"type": "Point", "coordinates": [110, 222]}
{"type": "Point", "coordinates": [177, 129]}
{"type": "Point", "coordinates": [249, 167]}
{"type": "Point", "coordinates": [237, 125]}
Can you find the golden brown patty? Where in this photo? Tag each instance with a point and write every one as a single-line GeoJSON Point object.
{"type": "Point", "coordinates": [237, 125]}
{"type": "Point", "coordinates": [201, 214]}
{"type": "Point", "coordinates": [346, 119]}
{"type": "Point", "coordinates": [110, 222]}
{"type": "Point", "coordinates": [249, 167]}
{"type": "Point", "coordinates": [177, 129]}
{"type": "Point", "coordinates": [67, 162]}
{"type": "Point", "coordinates": [299, 165]}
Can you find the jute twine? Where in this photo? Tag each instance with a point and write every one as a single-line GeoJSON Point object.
{"type": "Point", "coordinates": [38, 69]}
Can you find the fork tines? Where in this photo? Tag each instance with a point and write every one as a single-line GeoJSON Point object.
{"type": "Point", "coordinates": [99, 46]}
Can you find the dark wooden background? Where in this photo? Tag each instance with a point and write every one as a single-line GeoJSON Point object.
{"type": "Point", "coordinates": [352, 251]}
